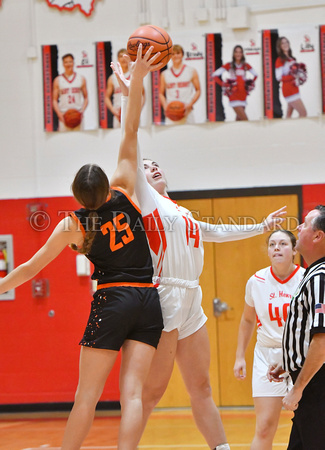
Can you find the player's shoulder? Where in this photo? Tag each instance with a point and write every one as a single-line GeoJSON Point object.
{"type": "Point", "coordinates": [279, 62]}
{"type": "Point", "coordinates": [261, 275]}
{"type": "Point", "coordinates": [301, 270]}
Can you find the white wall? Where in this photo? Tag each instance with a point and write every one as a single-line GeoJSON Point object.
{"type": "Point", "coordinates": [209, 156]}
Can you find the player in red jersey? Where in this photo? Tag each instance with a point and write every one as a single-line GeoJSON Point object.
{"type": "Point", "coordinates": [235, 83]}
{"type": "Point", "coordinates": [268, 294]}
{"type": "Point", "coordinates": [291, 75]}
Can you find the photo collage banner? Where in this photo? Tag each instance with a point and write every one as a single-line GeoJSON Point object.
{"type": "Point", "coordinates": [275, 73]}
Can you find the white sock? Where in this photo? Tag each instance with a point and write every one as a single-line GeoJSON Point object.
{"type": "Point", "coordinates": [223, 447]}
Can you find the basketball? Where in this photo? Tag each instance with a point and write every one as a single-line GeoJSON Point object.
{"type": "Point", "coordinates": [175, 110]}
{"type": "Point", "coordinates": [150, 35]}
{"type": "Point", "coordinates": [72, 118]}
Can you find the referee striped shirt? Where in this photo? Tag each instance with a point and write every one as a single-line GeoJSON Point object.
{"type": "Point", "coordinates": [306, 316]}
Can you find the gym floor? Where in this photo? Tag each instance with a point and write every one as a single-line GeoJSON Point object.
{"type": "Point", "coordinates": [167, 429]}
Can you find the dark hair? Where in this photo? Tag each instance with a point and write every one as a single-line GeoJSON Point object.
{"type": "Point", "coordinates": [90, 188]}
{"type": "Point", "coordinates": [319, 221]}
{"type": "Point", "coordinates": [70, 55]}
{"type": "Point", "coordinates": [279, 50]}
{"type": "Point", "coordinates": [288, 233]}
{"type": "Point", "coordinates": [233, 63]}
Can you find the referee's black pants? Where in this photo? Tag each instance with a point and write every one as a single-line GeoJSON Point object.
{"type": "Point", "coordinates": [308, 423]}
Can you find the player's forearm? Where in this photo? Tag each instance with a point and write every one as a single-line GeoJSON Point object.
{"type": "Point", "coordinates": [18, 276]}
{"type": "Point", "coordinates": [133, 111]}
{"type": "Point", "coordinates": [245, 332]}
{"type": "Point", "coordinates": [163, 101]}
{"type": "Point", "coordinates": [195, 98]}
{"type": "Point", "coordinates": [84, 106]}
{"type": "Point", "coordinates": [226, 232]}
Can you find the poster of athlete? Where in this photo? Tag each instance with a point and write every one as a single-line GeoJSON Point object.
{"type": "Point", "coordinates": [233, 78]}
{"type": "Point", "coordinates": [291, 72]}
{"type": "Point", "coordinates": [69, 87]}
{"type": "Point", "coordinates": [109, 92]}
{"type": "Point", "coordinates": [178, 89]}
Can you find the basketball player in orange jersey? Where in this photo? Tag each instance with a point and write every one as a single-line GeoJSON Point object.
{"type": "Point", "coordinates": [290, 89]}
{"type": "Point", "coordinates": [268, 295]}
{"type": "Point", "coordinates": [180, 82]}
{"type": "Point", "coordinates": [69, 92]}
{"type": "Point", "coordinates": [113, 90]}
{"type": "Point", "coordinates": [236, 84]}
{"type": "Point", "coordinates": [125, 311]}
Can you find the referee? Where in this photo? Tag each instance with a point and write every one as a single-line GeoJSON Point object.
{"type": "Point", "coordinates": [304, 340]}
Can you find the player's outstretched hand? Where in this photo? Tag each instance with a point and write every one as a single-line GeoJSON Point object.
{"type": "Point", "coordinates": [275, 219]}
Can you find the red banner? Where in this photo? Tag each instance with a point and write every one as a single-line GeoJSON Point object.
{"type": "Point", "coordinates": [156, 106]}
{"type": "Point", "coordinates": [268, 74]}
{"type": "Point", "coordinates": [101, 81]}
{"type": "Point", "coordinates": [211, 84]}
{"type": "Point", "coordinates": [322, 63]}
{"type": "Point", "coordinates": [47, 89]}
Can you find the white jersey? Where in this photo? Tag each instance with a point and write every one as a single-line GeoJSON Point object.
{"type": "Point", "coordinates": [70, 92]}
{"type": "Point", "coordinates": [175, 237]}
{"type": "Point", "coordinates": [117, 93]}
{"type": "Point", "coordinates": [179, 84]}
{"type": "Point", "coordinates": [271, 297]}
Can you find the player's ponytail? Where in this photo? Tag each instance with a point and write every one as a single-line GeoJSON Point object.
{"type": "Point", "coordinates": [93, 225]}
{"type": "Point", "coordinates": [90, 188]}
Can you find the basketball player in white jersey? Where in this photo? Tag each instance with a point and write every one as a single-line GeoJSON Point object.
{"type": "Point", "coordinates": [176, 244]}
{"type": "Point", "coordinates": [69, 92]}
{"type": "Point", "coordinates": [180, 82]}
{"type": "Point", "coordinates": [268, 295]}
{"type": "Point", "coordinates": [113, 91]}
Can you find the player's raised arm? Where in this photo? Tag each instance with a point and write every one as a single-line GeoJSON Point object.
{"type": "Point", "coordinates": [125, 174]}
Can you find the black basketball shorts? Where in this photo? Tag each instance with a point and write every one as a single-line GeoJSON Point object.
{"type": "Point", "coordinates": [123, 312]}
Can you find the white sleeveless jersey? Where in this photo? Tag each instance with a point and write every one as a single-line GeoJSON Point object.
{"type": "Point", "coordinates": [70, 92]}
{"type": "Point", "coordinates": [117, 93]}
{"type": "Point", "coordinates": [175, 237]}
{"type": "Point", "coordinates": [179, 85]}
{"type": "Point", "coordinates": [271, 297]}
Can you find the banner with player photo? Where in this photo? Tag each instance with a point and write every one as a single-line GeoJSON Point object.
{"type": "Point", "coordinates": [178, 89]}
{"type": "Point", "coordinates": [69, 87]}
{"type": "Point", "coordinates": [233, 78]}
{"type": "Point", "coordinates": [291, 72]}
{"type": "Point", "coordinates": [109, 91]}
{"type": "Point", "coordinates": [322, 62]}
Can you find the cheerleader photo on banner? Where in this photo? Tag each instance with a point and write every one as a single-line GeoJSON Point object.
{"type": "Point", "coordinates": [291, 66]}
{"type": "Point", "coordinates": [234, 87]}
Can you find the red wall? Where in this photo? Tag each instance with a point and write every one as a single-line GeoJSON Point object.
{"type": "Point", "coordinates": [312, 195]}
{"type": "Point", "coordinates": [39, 354]}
